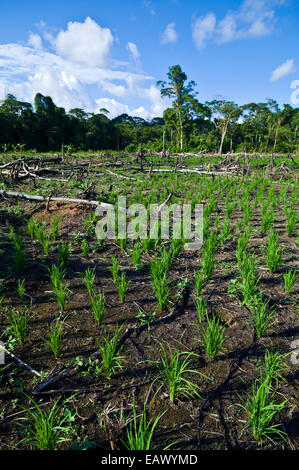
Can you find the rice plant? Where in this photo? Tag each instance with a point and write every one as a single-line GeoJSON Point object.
{"type": "Point", "coordinates": [201, 308]}
{"type": "Point", "coordinates": [261, 410]}
{"type": "Point", "coordinates": [199, 281]}
{"type": "Point", "coordinates": [115, 270]}
{"type": "Point", "coordinates": [261, 316]}
{"type": "Point", "coordinates": [62, 293]}
{"type": "Point", "coordinates": [64, 251]}
{"type": "Point", "coordinates": [166, 258]}
{"type": "Point", "coordinates": [110, 353]}
{"type": "Point", "coordinates": [174, 366]}
{"type": "Point", "coordinates": [89, 279]}
{"type": "Point", "coordinates": [140, 431]}
{"type": "Point", "coordinates": [148, 244]}
{"type": "Point", "coordinates": [267, 218]}
{"type": "Point", "coordinates": [98, 306]}
{"type": "Point", "coordinates": [213, 336]}
{"type": "Point", "coordinates": [57, 275]}
{"type": "Point", "coordinates": [161, 290]}
{"type": "Point", "coordinates": [156, 268]}
{"type": "Point", "coordinates": [123, 243]}
{"type": "Point", "coordinates": [292, 219]}
{"type": "Point", "coordinates": [176, 246]}
{"type": "Point", "coordinates": [44, 239]}
{"type": "Point", "coordinates": [32, 226]}
{"type": "Point", "coordinates": [273, 365]}
{"type": "Point", "coordinates": [137, 255]}
{"type": "Point", "coordinates": [55, 227]}
{"type": "Point", "coordinates": [45, 429]}
{"type": "Point", "coordinates": [55, 337]}
{"type": "Point", "coordinates": [85, 247]}
{"type": "Point", "coordinates": [289, 280]}
{"type": "Point", "coordinates": [21, 290]}
{"type": "Point", "coordinates": [18, 323]}
{"type": "Point", "coordinates": [225, 230]}
{"type": "Point", "coordinates": [208, 263]}
{"type": "Point", "coordinates": [122, 287]}
{"type": "Point", "coordinates": [247, 213]}
{"type": "Point", "coordinates": [274, 252]}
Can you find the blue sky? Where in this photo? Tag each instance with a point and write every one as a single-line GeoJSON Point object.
{"type": "Point", "coordinates": [109, 54]}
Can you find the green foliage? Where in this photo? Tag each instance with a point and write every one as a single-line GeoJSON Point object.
{"type": "Point", "coordinates": [43, 238]}
{"type": "Point", "coordinates": [201, 307]}
{"type": "Point", "coordinates": [45, 429]}
{"type": "Point", "coordinates": [110, 353]}
{"type": "Point", "coordinates": [18, 322]}
{"type": "Point", "coordinates": [261, 315]}
{"type": "Point", "coordinates": [261, 410]}
{"type": "Point", "coordinates": [289, 280]}
{"type": "Point", "coordinates": [55, 227]}
{"type": "Point", "coordinates": [85, 247]}
{"type": "Point", "coordinates": [64, 251]}
{"type": "Point", "coordinates": [98, 306]}
{"type": "Point", "coordinates": [140, 431]}
{"type": "Point", "coordinates": [213, 336]}
{"type": "Point", "coordinates": [274, 252]}
{"type": "Point", "coordinates": [174, 366]}
{"type": "Point", "coordinates": [55, 337]}
{"type": "Point", "coordinates": [89, 279]}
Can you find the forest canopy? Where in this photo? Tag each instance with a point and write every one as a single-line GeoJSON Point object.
{"type": "Point", "coordinates": [188, 125]}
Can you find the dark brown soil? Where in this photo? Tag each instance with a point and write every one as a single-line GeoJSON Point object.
{"type": "Point", "coordinates": [213, 420]}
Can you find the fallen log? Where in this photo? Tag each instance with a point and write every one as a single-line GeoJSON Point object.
{"type": "Point", "coordinates": [119, 176]}
{"type": "Point", "coordinates": [198, 172]}
{"type": "Point", "coordinates": [31, 197]}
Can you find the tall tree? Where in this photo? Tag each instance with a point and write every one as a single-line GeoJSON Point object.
{"type": "Point", "coordinates": [183, 95]}
{"type": "Point", "coordinates": [225, 113]}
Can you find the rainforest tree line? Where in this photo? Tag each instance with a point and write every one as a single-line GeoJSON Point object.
{"type": "Point", "coordinates": [187, 125]}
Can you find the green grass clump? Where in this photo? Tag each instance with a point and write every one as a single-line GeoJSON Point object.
{"type": "Point", "coordinates": [213, 336]}
{"type": "Point", "coordinates": [45, 429]}
{"type": "Point", "coordinates": [98, 306]}
{"type": "Point", "coordinates": [174, 367]}
{"type": "Point", "coordinates": [161, 289]}
{"type": "Point", "coordinates": [140, 431]}
{"type": "Point", "coordinates": [274, 252]}
{"type": "Point", "coordinates": [44, 239]}
{"type": "Point", "coordinates": [64, 251]}
{"type": "Point", "coordinates": [261, 410]}
{"type": "Point", "coordinates": [110, 353]}
{"type": "Point", "coordinates": [201, 307]}
{"type": "Point", "coordinates": [261, 316]}
{"type": "Point", "coordinates": [55, 337]}
{"type": "Point", "coordinates": [289, 280]}
{"type": "Point", "coordinates": [89, 279]}
{"type": "Point", "coordinates": [18, 323]}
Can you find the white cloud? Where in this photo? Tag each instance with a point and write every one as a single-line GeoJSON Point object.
{"type": "Point", "coordinates": [35, 41]}
{"type": "Point", "coordinates": [169, 35]}
{"type": "Point", "coordinates": [284, 69]}
{"type": "Point", "coordinates": [148, 5]}
{"type": "Point", "coordinates": [253, 19]}
{"type": "Point", "coordinates": [156, 104]}
{"type": "Point", "coordinates": [116, 108]}
{"type": "Point", "coordinates": [86, 43]}
{"type": "Point", "coordinates": [132, 48]}
{"type": "Point", "coordinates": [27, 70]}
{"type": "Point", "coordinates": [203, 29]}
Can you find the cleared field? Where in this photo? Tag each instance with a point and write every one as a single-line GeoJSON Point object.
{"type": "Point", "coordinates": [124, 332]}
